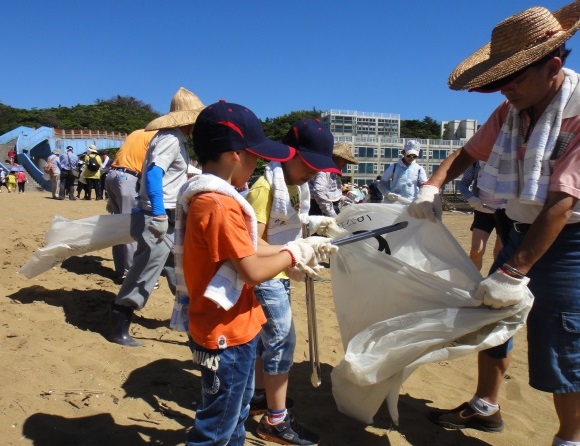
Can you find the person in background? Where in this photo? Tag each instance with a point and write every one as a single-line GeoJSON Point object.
{"type": "Point", "coordinates": [121, 185]}
{"type": "Point", "coordinates": [484, 207]}
{"type": "Point", "coordinates": [401, 180]}
{"type": "Point", "coordinates": [52, 168]}
{"type": "Point", "coordinates": [21, 180]}
{"type": "Point", "coordinates": [375, 193]}
{"type": "Point", "coordinates": [106, 162]}
{"type": "Point", "coordinates": [68, 163]}
{"type": "Point", "coordinates": [325, 188]}
{"type": "Point", "coordinates": [11, 156]}
{"type": "Point", "coordinates": [91, 174]}
{"type": "Point", "coordinates": [531, 143]}
{"type": "Point", "coordinates": [3, 180]}
{"type": "Point", "coordinates": [82, 181]}
{"type": "Point", "coordinates": [152, 226]}
{"type": "Point", "coordinates": [11, 180]}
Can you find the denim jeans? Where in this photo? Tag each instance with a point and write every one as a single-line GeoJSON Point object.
{"type": "Point", "coordinates": [227, 386]}
{"type": "Point", "coordinates": [277, 338]}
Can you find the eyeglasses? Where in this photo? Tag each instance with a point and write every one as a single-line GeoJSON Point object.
{"type": "Point", "coordinates": [411, 156]}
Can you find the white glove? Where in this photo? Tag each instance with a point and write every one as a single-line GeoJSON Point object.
{"type": "Point", "coordinates": [299, 273]}
{"type": "Point", "coordinates": [302, 252]}
{"type": "Point", "coordinates": [475, 203]}
{"type": "Point", "coordinates": [158, 227]}
{"type": "Point", "coordinates": [500, 290]}
{"type": "Point", "coordinates": [321, 224]}
{"type": "Point", "coordinates": [322, 247]}
{"type": "Point", "coordinates": [392, 197]}
{"type": "Point", "coordinates": [295, 273]}
{"type": "Point", "coordinates": [427, 204]}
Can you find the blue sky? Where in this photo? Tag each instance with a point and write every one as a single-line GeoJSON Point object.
{"type": "Point", "coordinates": [272, 56]}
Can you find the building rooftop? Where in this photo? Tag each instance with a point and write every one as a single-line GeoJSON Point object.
{"type": "Point", "coordinates": [359, 113]}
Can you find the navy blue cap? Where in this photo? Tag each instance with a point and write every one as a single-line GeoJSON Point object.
{"type": "Point", "coordinates": [226, 127]}
{"type": "Point", "coordinates": [314, 144]}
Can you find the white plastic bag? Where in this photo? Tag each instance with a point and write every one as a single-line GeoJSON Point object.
{"type": "Point", "coordinates": [67, 238]}
{"type": "Point", "coordinates": [396, 312]}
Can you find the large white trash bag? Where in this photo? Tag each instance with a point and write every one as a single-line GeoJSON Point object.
{"type": "Point", "coordinates": [75, 237]}
{"type": "Point", "coordinates": [396, 312]}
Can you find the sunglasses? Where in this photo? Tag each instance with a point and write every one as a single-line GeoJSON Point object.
{"type": "Point", "coordinates": [411, 156]}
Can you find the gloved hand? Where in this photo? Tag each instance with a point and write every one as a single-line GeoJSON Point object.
{"type": "Point", "coordinates": [321, 224]}
{"type": "Point", "coordinates": [427, 204]}
{"type": "Point", "coordinates": [501, 290]}
{"type": "Point", "coordinates": [299, 273]}
{"type": "Point", "coordinates": [322, 247]}
{"type": "Point", "coordinates": [475, 203]}
{"type": "Point", "coordinates": [391, 197]}
{"type": "Point", "coordinates": [295, 273]}
{"type": "Point", "coordinates": [302, 252]}
{"type": "Point", "coordinates": [159, 226]}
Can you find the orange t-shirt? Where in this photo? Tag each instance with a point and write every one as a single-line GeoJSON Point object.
{"type": "Point", "coordinates": [132, 153]}
{"type": "Point", "coordinates": [215, 232]}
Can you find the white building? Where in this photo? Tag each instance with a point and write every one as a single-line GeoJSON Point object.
{"type": "Point", "coordinates": [375, 140]}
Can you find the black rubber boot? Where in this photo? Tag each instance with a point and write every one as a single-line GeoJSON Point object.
{"type": "Point", "coordinates": [121, 321]}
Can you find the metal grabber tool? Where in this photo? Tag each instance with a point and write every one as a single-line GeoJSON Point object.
{"type": "Point", "coordinates": [315, 374]}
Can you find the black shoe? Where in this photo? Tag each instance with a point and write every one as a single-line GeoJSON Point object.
{"type": "Point", "coordinates": [261, 406]}
{"type": "Point", "coordinates": [464, 416]}
{"type": "Point", "coordinates": [121, 321]}
{"type": "Point", "coordinates": [288, 431]}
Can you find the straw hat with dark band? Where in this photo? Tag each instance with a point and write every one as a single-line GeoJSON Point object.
{"type": "Point", "coordinates": [185, 106]}
{"type": "Point", "coordinates": [517, 42]}
{"type": "Point", "coordinates": [343, 150]}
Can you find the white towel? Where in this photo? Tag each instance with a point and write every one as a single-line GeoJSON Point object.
{"type": "Point", "coordinates": [284, 224]}
{"type": "Point", "coordinates": [226, 286]}
{"type": "Point", "coordinates": [501, 173]}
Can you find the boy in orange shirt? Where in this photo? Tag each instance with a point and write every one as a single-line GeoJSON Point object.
{"type": "Point", "coordinates": [222, 260]}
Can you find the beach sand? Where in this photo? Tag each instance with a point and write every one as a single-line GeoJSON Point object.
{"type": "Point", "coordinates": [65, 384]}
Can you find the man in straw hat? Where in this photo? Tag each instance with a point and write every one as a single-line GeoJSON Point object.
{"type": "Point", "coordinates": [531, 143]}
{"type": "Point", "coordinates": [325, 188]}
{"type": "Point", "coordinates": [164, 172]}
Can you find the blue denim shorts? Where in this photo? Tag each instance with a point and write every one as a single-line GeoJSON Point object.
{"type": "Point", "coordinates": [554, 321]}
{"type": "Point", "coordinates": [277, 338]}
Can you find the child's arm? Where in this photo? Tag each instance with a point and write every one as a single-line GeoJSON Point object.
{"type": "Point", "coordinates": [256, 269]}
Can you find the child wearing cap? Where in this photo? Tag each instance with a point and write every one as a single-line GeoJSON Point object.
{"type": "Point", "coordinates": [219, 259]}
{"type": "Point", "coordinates": [281, 200]}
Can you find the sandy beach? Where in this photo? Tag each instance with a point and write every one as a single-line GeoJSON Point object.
{"type": "Point", "coordinates": [65, 384]}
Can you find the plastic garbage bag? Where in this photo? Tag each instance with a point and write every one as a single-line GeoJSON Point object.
{"type": "Point", "coordinates": [67, 238]}
{"type": "Point", "coordinates": [396, 312]}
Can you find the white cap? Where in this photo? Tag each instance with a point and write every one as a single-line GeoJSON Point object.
{"type": "Point", "coordinates": [412, 147]}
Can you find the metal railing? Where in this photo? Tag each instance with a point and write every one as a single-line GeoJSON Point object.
{"type": "Point", "coordinates": [88, 134]}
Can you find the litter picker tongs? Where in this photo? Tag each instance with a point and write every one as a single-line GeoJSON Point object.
{"type": "Point", "coordinates": [315, 375]}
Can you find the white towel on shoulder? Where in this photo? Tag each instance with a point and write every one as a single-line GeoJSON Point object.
{"type": "Point", "coordinates": [284, 224]}
{"type": "Point", "coordinates": [501, 173]}
{"type": "Point", "coordinates": [226, 286]}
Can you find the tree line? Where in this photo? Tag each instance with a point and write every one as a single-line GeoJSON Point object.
{"type": "Point", "coordinates": [126, 114]}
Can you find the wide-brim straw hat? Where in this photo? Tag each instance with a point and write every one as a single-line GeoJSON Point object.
{"type": "Point", "coordinates": [92, 149]}
{"type": "Point", "coordinates": [185, 106]}
{"type": "Point", "coordinates": [343, 150]}
{"type": "Point", "coordinates": [516, 42]}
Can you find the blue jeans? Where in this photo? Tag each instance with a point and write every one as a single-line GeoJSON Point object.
{"type": "Point", "coordinates": [227, 386]}
{"type": "Point", "coordinates": [277, 338]}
